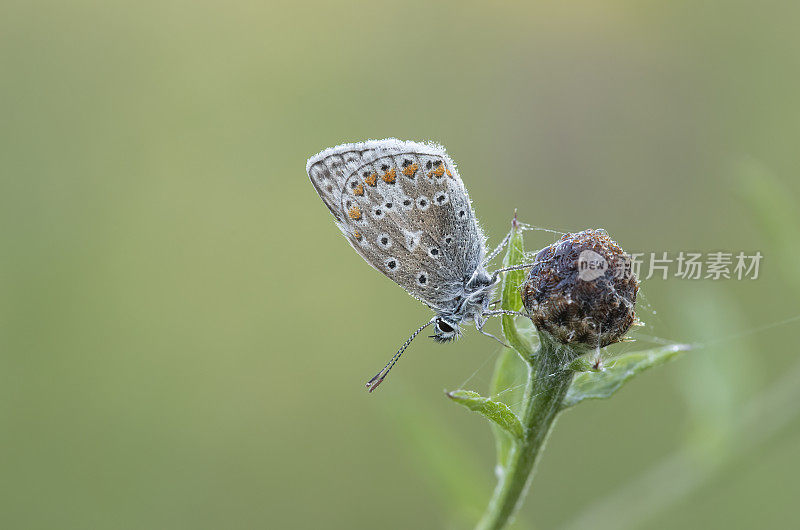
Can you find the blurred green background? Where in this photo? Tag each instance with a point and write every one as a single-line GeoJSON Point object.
{"type": "Point", "coordinates": [185, 334]}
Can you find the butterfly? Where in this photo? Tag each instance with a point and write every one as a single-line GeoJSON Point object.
{"type": "Point", "coordinates": [405, 210]}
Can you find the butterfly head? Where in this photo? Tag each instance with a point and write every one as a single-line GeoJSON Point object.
{"type": "Point", "coordinates": [445, 330]}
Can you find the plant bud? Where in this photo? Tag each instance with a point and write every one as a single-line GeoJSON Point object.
{"type": "Point", "coordinates": [581, 290]}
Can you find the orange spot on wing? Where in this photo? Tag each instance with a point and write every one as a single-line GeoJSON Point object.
{"type": "Point", "coordinates": [389, 176]}
{"type": "Point", "coordinates": [358, 190]}
{"type": "Point", "coordinates": [354, 213]}
{"type": "Point", "coordinates": [409, 171]}
{"type": "Point", "coordinates": [357, 235]}
{"type": "Point", "coordinates": [371, 180]}
{"type": "Point", "coordinates": [439, 171]}
{"type": "Point", "coordinates": [447, 170]}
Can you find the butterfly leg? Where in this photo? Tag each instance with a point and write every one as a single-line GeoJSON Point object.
{"type": "Point", "coordinates": [522, 227]}
{"type": "Point", "coordinates": [496, 273]}
{"type": "Point", "coordinates": [493, 254]}
{"type": "Point", "coordinates": [514, 268]}
{"type": "Point", "coordinates": [479, 323]}
{"type": "Point", "coordinates": [498, 312]}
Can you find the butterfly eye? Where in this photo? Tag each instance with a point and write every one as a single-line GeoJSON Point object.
{"type": "Point", "coordinates": [444, 327]}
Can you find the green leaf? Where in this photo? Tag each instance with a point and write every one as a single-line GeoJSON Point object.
{"type": "Point", "coordinates": [498, 412]}
{"type": "Point", "coordinates": [511, 300]}
{"type": "Point", "coordinates": [600, 385]}
{"type": "Point", "coordinates": [510, 373]}
{"type": "Point", "coordinates": [508, 381]}
{"type": "Point", "coordinates": [508, 386]}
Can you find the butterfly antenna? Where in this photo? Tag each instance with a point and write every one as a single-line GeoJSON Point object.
{"type": "Point", "coordinates": [373, 383]}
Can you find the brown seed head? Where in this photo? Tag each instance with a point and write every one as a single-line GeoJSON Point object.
{"type": "Point", "coordinates": [581, 290]}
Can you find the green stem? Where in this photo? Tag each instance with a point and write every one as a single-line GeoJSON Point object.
{"type": "Point", "coordinates": [548, 382]}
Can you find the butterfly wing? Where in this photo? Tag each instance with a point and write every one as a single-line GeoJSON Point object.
{"type": "Point", "coordinates": [405, 210]}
